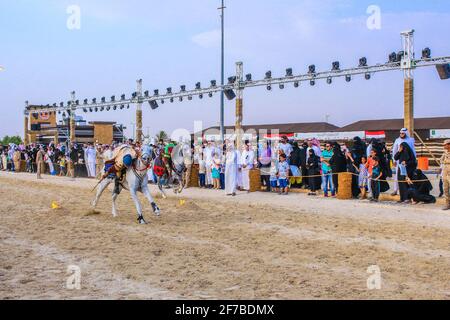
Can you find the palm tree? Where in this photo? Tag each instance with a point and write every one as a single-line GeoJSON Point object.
{"type": "Point", "coordinates": [162, 135]}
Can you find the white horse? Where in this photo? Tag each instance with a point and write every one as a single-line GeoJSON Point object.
{"type": "Point", "coordinates": [136, 180]}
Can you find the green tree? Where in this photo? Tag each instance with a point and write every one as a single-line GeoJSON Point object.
{"type": "Point", "coordinates": [13, 139]}
{"type": "Point", "coordinates": [162, 135]}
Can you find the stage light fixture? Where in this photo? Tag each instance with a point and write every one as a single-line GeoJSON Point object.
{"type": "Point", "coordinates": [85, 110]}
{"type": "Point", "coordinates": [128, 106]}
{"type": "Point", "coordinates": [85, 101]}
{"type": "Point", "coordinates": [77, 102]}
{"type": "Point", "coordinates": [95, 109]}
{"type": "Point", "coordinates": [108, 108]}
{"type": "Point", "coordinates": [335, 66]}
{"type": "Point", "coordinates": [162, 101]}
{"type": "Point", "coordinates": [94, 100]}
{"type": "Point", "coordinates": [90, 110]}
{"type": "Point", "coordinates": [146, 93]}
{"type": "Point", "coordinates": [232, 80]}
{"type": "Point", "coordinates": [134, 95]}
{"type": "Point", "coordinates": [102, 108]}
{"type": "Point", "coordinates": [289, 72]}
{"type": "Point", "coordinates": [393, 57]}
{"type": "Point", "coordinates": [329, 80]}
{"type": "Point", "coordinates": [122, 107]}
{"type": "Point", "coordinates": [312, 82]}
{"type": "Point", "coordinates": [281, 86]}
{"type": "Point", "coordinates": [312, 69]}
{"type": "Point", "coordinates": [348, 78]}
{"type": "Point", "coordinates": [198, 86]}
{"type": "Point", "coordinates": [171, 100]}
{"type": "Point", "coordinates": [229, 94]}
{"type": "Point", "coordinates": [180, 99]}
{"type": "Point", "coordinates": [269, 87]}
{"type": "Point", "coordinates": [61, 104]}
{"type": "Point", "coordinates": [210, 94]}
{"type": "Point", "coordinates": [183, 88]}
{"type": "Point", "coordinates": [426, 53]}
{"type": "Point", "coordinates": [248, 77]}
{"type": "Point", "coordinates": [200, 95]}
{"type": "Point", "coordinates": [400, 55]}
{"type": "Point", "coordinates": [103, 99]}
{"type": "Point", "coordinates": [64, 114]}
{"type": "Point", "coordinates": [268, 75]}
{"type": "Point", "coordinates": [156, 92]}
{"type": "Point", "coordinates": [113, 98]}
{"type": "Point", "coordinates": [367, 76]}
{"type": "Point", "coordinates": [153, 104]}
{"type": "Point", "coordinates": [213, 83]}
{"type": "Point", "coordinates": [189, 98]}
{"type": "Point", "coordinates": [114, 108]}
{"type": "Point", "coordinates": [169, 90]}
{"type": "Point", "coordinates": [296, 84]}
{"type": "Point", "coordinates": [363, 62]}
{"type": "Point", "coordinates": [122, 97]}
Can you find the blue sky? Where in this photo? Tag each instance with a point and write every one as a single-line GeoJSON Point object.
{"type": "Point", "coordinates": [169, 43]}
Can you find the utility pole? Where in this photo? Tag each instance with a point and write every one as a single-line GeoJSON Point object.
{"type": "Point", "coordinates": [139, 111]}
{"type": "Point", "coordinates": [239, 103]}
{"type": "Point", "coordinates": [72, 118]}
{"type": "Point", "coordinates": [408, 65]}
{"type": "Point", "coordinates": [222, 98]}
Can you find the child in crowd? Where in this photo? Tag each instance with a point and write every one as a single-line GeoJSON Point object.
{"type": "Point", "coordinates": [216, 172]}
{"type": "Point", "coordinates": [283, 174]}
{"type": "Point", "coordinates": [202, 171]}
{"type": "Point", "coordinates": [273, 176]}
{"type": "Point", "coordinates": [375, 183]}
{"type": "Point", "coordinates": [369, 166]}
{"type": "Point", "coordinates": [62, 165]}
{"type": "Point", "coordinates": [363, 178]}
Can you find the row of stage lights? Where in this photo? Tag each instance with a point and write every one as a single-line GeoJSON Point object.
{"type": "Point", "coordinates": [229, 93]}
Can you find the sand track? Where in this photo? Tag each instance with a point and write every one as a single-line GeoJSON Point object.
{"type": "Point", "coordinates": [250, 246]}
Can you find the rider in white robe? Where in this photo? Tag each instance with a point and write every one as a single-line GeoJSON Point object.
{"type": "Point", "coordinates": [231, 170]}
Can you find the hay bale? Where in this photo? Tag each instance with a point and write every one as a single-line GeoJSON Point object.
{"type": "Point", "coordinates": [194, 182]}
{"type": "Point", "coordinates": [345, 186]}
{"type": "Point", "coordinates": [255, 180]}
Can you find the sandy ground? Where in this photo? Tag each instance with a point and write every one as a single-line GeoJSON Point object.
{"type": "Point", "coordinates": [253, 246]}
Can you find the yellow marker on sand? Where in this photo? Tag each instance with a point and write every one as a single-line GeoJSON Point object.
{"type": "Point", "coordinates": [55, 205]}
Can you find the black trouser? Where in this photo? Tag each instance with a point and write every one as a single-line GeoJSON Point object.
{"type": "Point", "coordinates": [441, 187]}
{"type": "Point", "coordinates": [402, 187]}
{"type": "Point", "coordinates": [375, 185]}
{"type": "Point", "coordinates": [336, 182]}
{"type": "Point", "coordinates": [265, 181]}
{"type": "Point", "coordinates": [305, 181]}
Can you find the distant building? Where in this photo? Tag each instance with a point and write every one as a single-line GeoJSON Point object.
{"type": "Point", "coordinates": [42, 127]}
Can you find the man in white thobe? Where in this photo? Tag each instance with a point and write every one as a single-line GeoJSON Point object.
{"type": "Point", "coordinates": [247, 162]}
{"type": "Point", "coordinates": [91, 155]}
{"type": "Point", "coordinates": [208, 156]}
{"type": "Point", "coordinates": [231, 170]}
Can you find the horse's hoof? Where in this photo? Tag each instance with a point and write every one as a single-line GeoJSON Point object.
{"type": "Point", "coordinates": [156, 210]}
{"type": "Point", "coordinates": [141, 220]}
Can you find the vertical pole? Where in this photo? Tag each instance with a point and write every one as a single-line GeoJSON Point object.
{"type": "Point", "coordinates": [25, 125]}
{"type": "Point", "coordinates": [139, 111]}
{"type": "Point", "coordinates": [408, 67]}
{"type": "Point", "coordinates": [72, 128]}
{"type": "Point", "coordinates": [239, 104]}
{"type": "Point", "coordinates": [222, 98]}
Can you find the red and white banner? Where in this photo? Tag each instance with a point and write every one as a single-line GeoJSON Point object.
{"type": "Point", "coordinates": [276, 136]}
{"type": "Point", "coordinates": [375, 135]}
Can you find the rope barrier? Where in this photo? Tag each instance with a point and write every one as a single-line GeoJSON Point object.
{"type": "Point", "coordinates": [356, 174]}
